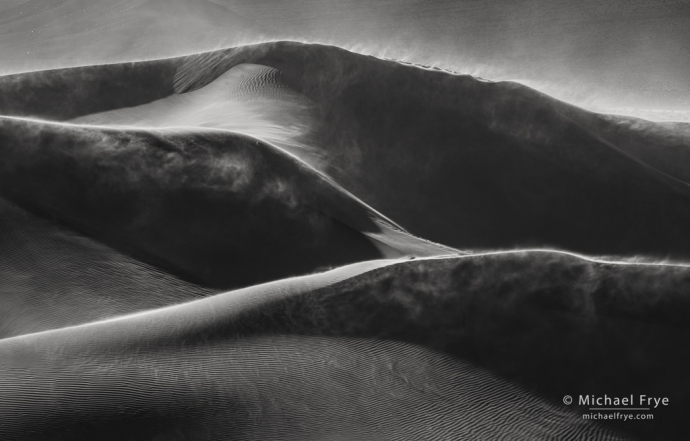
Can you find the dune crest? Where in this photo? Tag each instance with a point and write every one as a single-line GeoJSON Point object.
{"type": "Point", "coordinates": [38, 34]}
{"type": "Point", "coordinates": [51, 277]}
{"type": "Point", "coordinates": [248, 99]}
{"type": "Point", "coordinates": [423, 147]}
{"type": "Point", "coordinates": [263, 242]}
{"type": "Point", "coordinates": [219, 208]}
{"type": "Point", "coordinates": [527, 316]}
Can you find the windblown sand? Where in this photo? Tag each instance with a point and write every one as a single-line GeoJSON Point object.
{"type": "Point", "coordinates": [295, 242]}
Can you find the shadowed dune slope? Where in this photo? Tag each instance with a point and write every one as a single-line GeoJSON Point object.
{"type": "Point", "coordinates": [495, 164]}
{"type": "Point", "coordinates": [51, 277]}
{"type": "Point", "coordinates": [364, 349]}
{"type": "Point", "coordinates": [468, 163]}
{"type": "Point", "coordinates": [61, 94]}
{"type": "Point", "coordinates": [216, 207]}
{"type": "Point", "coordinates": [664, 146]}
{"type": "Point", "coordinates": [279, 388]}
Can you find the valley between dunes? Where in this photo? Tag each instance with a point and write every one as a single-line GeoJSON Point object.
{"type": "Point", "coordinates": [292, 241]}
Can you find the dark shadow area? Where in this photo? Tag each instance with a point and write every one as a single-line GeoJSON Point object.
{"type": "Point", "coordinates": [63, 94]}
{"type": "Point", "coordinates": [557, 324]}
{"type": "Point", "coordinates": [459, 161]}
{"type": "Point", "coordinates": [217, 208]}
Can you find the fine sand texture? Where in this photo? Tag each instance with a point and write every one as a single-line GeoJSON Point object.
{"type": "Point", "coordinates": [248, 99]}
{"type": "Point", "coordinates": [467, 163]}
{"type": "Point", "coordinates": [394, 349]}
{"type": "Point", "coordinates": [218, 208]}
{"type": "Point", "coordinates": [53, 277]}
{"type": "Point", "coordinates": [290, 242]}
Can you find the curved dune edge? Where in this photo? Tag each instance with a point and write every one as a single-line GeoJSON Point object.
{"type": "Point", "coordinates": [212, 106]}
{"type": "Point", "coordinates": [52, 277]}
{"type": "Point", "coordinates": [248, 99]}
{"type": "Point", "coordinates": [251, 213]}
{"type": "Point", "coordinates": [456, 160]}
{"type": "Point", "coordinates": [69, 32]}
{"type": "Point", "coordinates": [233, 304]}
{"type": "Point", "coordinates": [543, 172]}
{"type": "Point", "coordinates": [194, 314]}
{"type": "Point", "coordinates": [442, 345]}
{"type": "Point", "coordinates": [555, 323]}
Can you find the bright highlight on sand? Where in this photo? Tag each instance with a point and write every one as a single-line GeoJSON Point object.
{"type": "Point", "coordinates": [218, 227]}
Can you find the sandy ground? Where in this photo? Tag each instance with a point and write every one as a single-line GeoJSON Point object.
{"type": "Point", "coordinates": [287, 241]}
{"type": "Point", "coordinates": [420, 146]}
{"type": "Point", "coordinates": [379, 335]}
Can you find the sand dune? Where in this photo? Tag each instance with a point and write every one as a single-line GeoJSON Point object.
{"type": "Point", "coordinates": [218, 208]}
{"type": "Point", "coordinates": [558, 184]}
{"type": "Point", "coordinates": [319, 346]}
{"type": "Point", "coordinates": [336, 190]}
{"type": "Point", "coordinates": [286, 388]}
{"type": "Point", "coordinates": [467, 163]}
{"type": "Point", "coordinates": [248, 99]}
{"type": "Point", "coordinates": [51, 277]}
{"type": "Point", "coordinates": [39, 34]}
{"type": "Point", "coordinates": [663, 146]}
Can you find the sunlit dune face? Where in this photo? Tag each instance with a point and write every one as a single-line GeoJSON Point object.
{"type": "Point", "coordinates": [248, 99]}
{"type": "Point", "coordinates": [376, 347]}
{"type": "Point", "coordinates": [603, 56]}
{"type": "Point", "coordinates": [343, 220]}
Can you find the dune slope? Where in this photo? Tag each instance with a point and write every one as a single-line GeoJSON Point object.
{"type": "Point", "coordinates": [248, 99]}
{"type": "Point", "coordinates": [37, 34]}
{"type": "Point", "coordinates": [51, 277]}
{"type": "Point", "coordinates": [236, 364]}
{"type": "Point", "coordinates": [216, 207]}
{"type": "Point", "coordinates": [498, 164]}
{"type": "Point", "coordinates": [336, 191]}
{"type": "Point", "coordinates": [463, 162]}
